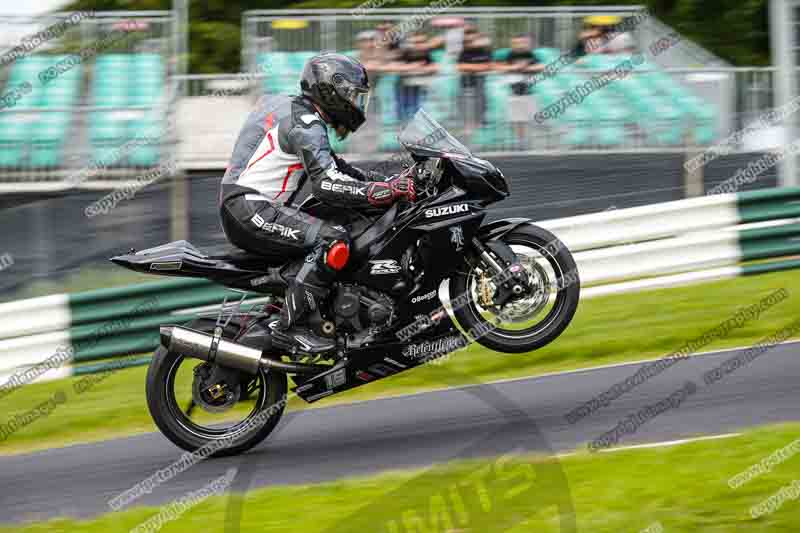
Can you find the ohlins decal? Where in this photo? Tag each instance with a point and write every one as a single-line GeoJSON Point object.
{"type": "Point", "coordinates": [424, 297]}
{"type": "Point", "coordinates": [446, 210]}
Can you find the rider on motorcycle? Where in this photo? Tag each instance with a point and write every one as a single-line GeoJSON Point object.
{"type": "Point", "coordinates": [283, 143]}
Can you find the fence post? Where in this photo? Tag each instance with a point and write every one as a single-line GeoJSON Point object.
{"type": "Point", "coordinates": [692, 179]}
{"type": "Point", "coordinates": [179, 206]}
{"type": "Point", "coordinates": [782, 27]}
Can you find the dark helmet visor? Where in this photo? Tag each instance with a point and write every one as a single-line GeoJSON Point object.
{"type": "Point", "coordinates": [358, 97]}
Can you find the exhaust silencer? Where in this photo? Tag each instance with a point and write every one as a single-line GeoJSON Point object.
{"type": "Point", "coordinates": [211, 348]}
{"type": "Point", "coordinates": [215, 349]}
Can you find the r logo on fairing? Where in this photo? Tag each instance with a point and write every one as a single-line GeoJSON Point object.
{"type": "Point", "coordinates": [384, 266]}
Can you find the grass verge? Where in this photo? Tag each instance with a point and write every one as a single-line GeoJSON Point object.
{"type": "Point", "coordinates": [679, 489]}
{"type": "Point", "coordinates": [605, 330]}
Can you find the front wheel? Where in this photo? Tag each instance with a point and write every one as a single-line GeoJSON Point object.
{"type": "Point", "coordinates": [531, 318]}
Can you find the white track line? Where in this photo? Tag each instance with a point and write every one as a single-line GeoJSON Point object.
{"type": "Point", "coordinates": [546, 375]}
{"type": "Point", "coordinates": [627, 363]}
{"type": "Point", "coordinates": [661, 444]}
{"type": "Point", "coordinates": [668, 443]}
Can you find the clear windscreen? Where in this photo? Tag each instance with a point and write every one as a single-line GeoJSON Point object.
{"type": "Point", "coordinates": [424, 135]}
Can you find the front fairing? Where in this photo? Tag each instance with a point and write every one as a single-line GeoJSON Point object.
{"type": "Point", "coordinates": [424, 137]}
{"type": "Point", "coordinates": [480, 177]}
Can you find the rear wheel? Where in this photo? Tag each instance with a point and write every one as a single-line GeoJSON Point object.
{"type": "Point", "coordinates": [197, 405]}
{"type": "Point", "coordinates": [528, 320]}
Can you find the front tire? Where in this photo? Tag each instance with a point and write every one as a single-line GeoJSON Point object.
{"type": "Point", "coordinates": [180, 427]}
{"type": "Point", "coordinates": [550, 259]}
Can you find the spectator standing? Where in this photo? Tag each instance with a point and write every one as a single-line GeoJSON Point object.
{"type": "Point", "coordinates": [601, 36]}
{"type": "Point", "coordinates": [388, 40]}
{"type": "Point", "coordinates": [452, 36]}
{"type": "Point", "coordinates": [474, 62]}
{"type": "Point", "coordinates": [368, 53]}
{"type": "Point", "coordinates": [519, 65]}
{"type": "Point", "coordinates": [415, 68]}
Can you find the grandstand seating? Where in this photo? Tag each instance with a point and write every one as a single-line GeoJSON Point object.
{"type": "Point", "coordinates": [33, 132]}
{"type": "Point", "coordinates": [124, 80]}
{"type": "Point", "coordinates": [650, 106]}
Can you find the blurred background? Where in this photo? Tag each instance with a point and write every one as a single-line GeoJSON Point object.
{"type": "Point", "coordinates": [117, 120]}
{"type": "Point", "coordinates": [118, 88]}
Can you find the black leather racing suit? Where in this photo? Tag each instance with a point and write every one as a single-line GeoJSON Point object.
{"type": "Point", "coordinates": [284, 142]}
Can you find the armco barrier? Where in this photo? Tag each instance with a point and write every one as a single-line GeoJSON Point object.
{"type": "Point", "coordinates": [100, 324]}
{"type": "Point", "coordinates": [136, 312]}
{"type": "Point", "coordinates": [769, 204]}
{"type": "Point", "coordinates": [686, 241]}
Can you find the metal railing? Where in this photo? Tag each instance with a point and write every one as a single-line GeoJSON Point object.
{"type": "Point", "coordinates": [738, 96]}
{"type": "Point", "coordinates": [732, 96]}
{"type": "Point", "coordinates": [336, 29]}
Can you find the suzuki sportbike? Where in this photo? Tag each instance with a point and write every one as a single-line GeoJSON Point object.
{"type": "Point", "coordinates": [423, 280]}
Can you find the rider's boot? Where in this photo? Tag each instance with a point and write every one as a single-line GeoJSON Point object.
{"type": "Point", "coordinates": [305, 294]}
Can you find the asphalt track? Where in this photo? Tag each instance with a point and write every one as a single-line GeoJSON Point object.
{"type": "Point", "coordinates": [414, 431]}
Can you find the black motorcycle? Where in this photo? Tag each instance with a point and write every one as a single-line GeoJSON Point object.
{"type": "Point", "coordinates": [513, 287]}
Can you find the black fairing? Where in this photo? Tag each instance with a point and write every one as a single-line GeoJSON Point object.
{"type": "Point", "coordinates": [237, 269]}
{"type": "Point", "coordinates": [481, 178]}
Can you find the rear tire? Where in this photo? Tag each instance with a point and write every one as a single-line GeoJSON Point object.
{"type": "Point", "coordinates": [161, 404]}
{"type": "Point", "coordinates": [567, 283]}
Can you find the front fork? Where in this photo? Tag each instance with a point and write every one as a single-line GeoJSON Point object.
{"type": "Point", "coordinates": [509, 275]}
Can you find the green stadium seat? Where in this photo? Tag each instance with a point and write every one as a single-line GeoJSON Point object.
{"type": "Point", "coordinates": [47, 139]}
{"type": "Point", "coordinates": [146, 154]}
{"type": "Point", "coordinates": [547, 55]}
{"type": "Point", "coordinates": [104, 127]}
{"type": "Point", "coordinates": [36, 138]}
{"type": "Point", "coordinates": [501, 54]}
{"type": "Point", "coordinates": [107, 129]}
{"type": "Point", "coordinates": [664, 110]}
{"type": "Point", "coordinates": [279, 74]}
{"type": "Point", "coordinates": [298, 60]}
{"type": "Point", "coordinates": [13, 139]}
{"type": "Point", "coordinates": [120, 81]}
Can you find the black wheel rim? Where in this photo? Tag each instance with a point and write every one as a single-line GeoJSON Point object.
{"type": "Point", "coordinates": [203, 424]}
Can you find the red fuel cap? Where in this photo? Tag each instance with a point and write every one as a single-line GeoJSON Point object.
{"type": "Point", "coordinates": [337, 255]}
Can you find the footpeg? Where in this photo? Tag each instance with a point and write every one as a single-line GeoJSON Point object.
{"type": "Point", "coordinates": [300, 341]}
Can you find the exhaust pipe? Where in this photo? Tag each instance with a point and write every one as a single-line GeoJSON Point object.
{"type": "Point", "coordinates": [213, 349]}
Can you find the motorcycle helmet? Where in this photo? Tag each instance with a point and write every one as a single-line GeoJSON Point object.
{"type": "Point", "coordinates": [340, 87]}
